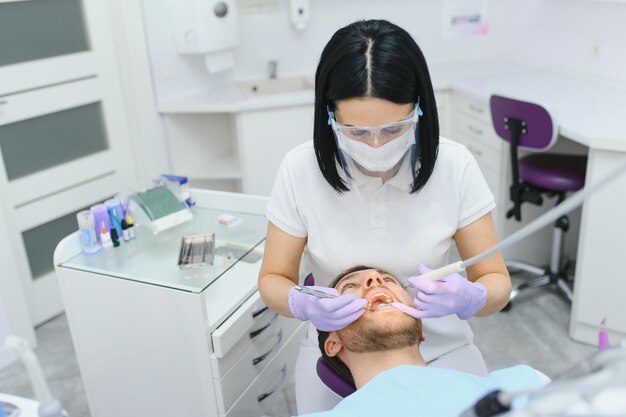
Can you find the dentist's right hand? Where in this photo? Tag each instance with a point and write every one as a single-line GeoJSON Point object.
{"type": "Point", "coordinates": [326, 314]}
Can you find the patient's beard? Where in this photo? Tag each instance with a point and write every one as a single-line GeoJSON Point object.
{"type": "Point", "coordinates": [374, 333]}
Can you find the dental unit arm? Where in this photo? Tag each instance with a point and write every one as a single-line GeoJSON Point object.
{"type": "Point", "coordinates": [48, 405]}
{"type": "Point", "coordinates": [568, 205]}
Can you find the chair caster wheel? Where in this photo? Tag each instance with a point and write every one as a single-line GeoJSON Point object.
{"type": "Point", "coordinates": [508, 306]}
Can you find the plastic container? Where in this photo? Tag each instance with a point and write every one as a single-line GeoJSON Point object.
{"type": "Point", "coordinates": [101, 218]}
{"type": "Point", "coordinates": [183, 183]}
{"type": "Point", "coordinates": [87, 229]}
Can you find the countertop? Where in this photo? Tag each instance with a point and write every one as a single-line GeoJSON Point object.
{"type": "Point", "coordinates": [230, 99]}
{"type": "Point", "coordinates": [588, 112]}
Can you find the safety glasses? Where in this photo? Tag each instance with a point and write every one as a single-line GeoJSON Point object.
{"type": "Point", "coordinates": [376, 135]}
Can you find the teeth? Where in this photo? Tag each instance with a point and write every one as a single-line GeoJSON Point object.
{"type": "Point", "coordinates": [384, 298]}
{"type": "Point", "coordinates": [384, 305]}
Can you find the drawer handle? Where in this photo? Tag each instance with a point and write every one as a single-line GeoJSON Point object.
{"type": "Point", "coordinates": [2, 102]}
{"type": "Point", "coordinates": [257, 332]}
{"type": "Point", "coordinates": [475, 130]}
{"type": "Point", "coordinates": [477, 109]}
{"type": "Point", "coordinates": [264, 356]}
{"type": "Point", "coordinates": [275, 387]}
{"type": "Point", "coordinates": [260, 311]}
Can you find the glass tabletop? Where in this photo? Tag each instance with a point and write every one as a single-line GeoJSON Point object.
{"type": "Point", "coordinates": [153, 259]}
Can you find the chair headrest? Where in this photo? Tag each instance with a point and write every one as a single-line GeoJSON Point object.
{"type": "Point", "coordinates": [332, 380]}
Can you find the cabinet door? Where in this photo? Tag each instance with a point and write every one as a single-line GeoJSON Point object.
{"type": "Point", "coordinates": [43, 42]}
{"type": "Point", "coordinates": [53, 138]}
{"type": "Point", "coordinates": [63, 138]}
{"type": "Point", "coordinates": [264, 137]}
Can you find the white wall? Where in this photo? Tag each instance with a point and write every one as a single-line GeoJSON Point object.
{"type": "Point", "coordinates": [561, 34]}
{"type": "Point", "coordinates": [271, 36]}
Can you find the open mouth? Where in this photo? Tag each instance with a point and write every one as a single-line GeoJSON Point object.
{"type": "Point", "coordinates": [379, 301]}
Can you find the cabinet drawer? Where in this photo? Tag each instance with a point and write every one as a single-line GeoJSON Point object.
{"type": "Point", "coordinates": [474, 128]}
{"type": "Point", "coordinates": [261, 350]}
{"type": "Point", "coordinates": [261, 333]}
{"type": "Point", "coordinates": [266, 393]}
{"type": "Point", "coordinates": [251, 313]}
{"type": "Point", "coordinates": [471, 107]}
{"type": "Point", "coordinates": [486, 156]}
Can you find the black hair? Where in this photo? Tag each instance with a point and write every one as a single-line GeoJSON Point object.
{"type": "Point", "coordinates": [374, 58]}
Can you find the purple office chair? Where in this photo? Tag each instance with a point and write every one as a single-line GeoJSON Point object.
{"type": "Point", "coordinates": [530, 127]}
{"type": "Point", "coordinates": [328, 376]}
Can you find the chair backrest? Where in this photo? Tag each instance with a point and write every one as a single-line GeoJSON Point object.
{"type": "Point", "coordinates": [540, 131]}
{"type": "Point", "coordinates": [309, 280]}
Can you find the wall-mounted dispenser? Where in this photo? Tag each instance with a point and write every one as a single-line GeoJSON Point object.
{"type": "Point", "coordinates": [299, 13]}
{"type": "Point", "coordinates": [207, 27]}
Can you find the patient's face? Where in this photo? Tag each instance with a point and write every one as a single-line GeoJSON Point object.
{"type": "Point", "coordinates": [380, 328]}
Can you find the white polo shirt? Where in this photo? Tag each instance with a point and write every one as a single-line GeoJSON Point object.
{"type": "Point", "coordinates": [383, 225]}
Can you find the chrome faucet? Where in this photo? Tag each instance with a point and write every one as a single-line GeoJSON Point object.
{"type": "Point", "coordinates": [272, 68]}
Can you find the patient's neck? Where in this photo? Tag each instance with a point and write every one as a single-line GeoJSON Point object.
{"type": "Point", "coordinates": [365, 366]}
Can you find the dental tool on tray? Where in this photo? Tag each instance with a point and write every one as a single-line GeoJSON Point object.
{"type": "Point", "coordinates": [568, 205]}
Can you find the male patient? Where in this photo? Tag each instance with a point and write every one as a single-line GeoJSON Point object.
{"type": "Point", "coordinates": [380, 354]}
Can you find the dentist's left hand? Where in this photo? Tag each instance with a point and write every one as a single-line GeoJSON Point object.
{"type": "Point", "coordinates": [453, 294]}
{"type": "Point", "coordinates": [326, 314]}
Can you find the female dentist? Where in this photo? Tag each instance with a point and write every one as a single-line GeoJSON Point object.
{"type": "Point", "coordinates": [378, 186]}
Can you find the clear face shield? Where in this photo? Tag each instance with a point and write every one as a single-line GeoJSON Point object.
{"type": "Point", "coordinates": [376, 148]}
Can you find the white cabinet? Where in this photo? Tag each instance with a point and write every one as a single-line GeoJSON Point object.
{"type": "Point", "coordinates": [235, 145]}
{"type": "Point", "coordinates": [189, 343]}
{"type": "Point", "coordinates": [264, 137]}
{"type": "Point", "coordinates": [63, 139]}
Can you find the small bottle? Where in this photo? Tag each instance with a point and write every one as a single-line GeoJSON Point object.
{"type": "Point", "coordinates": [87, 229]}
{"type": "Point", "coordinates": [125, 232]}
{"type": "Point", "coordinates": [114, 237]}
{"type": "Point", "coordinates": [105, 237]}
{"type": "Point", "coordinates": [131, 226]}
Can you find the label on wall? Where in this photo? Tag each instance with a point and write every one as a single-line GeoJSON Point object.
{"type": "Point", "coordinates": [465, 18]}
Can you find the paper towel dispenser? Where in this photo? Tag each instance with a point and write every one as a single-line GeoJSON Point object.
{"type": "Point", "coordinates": [204, 26]}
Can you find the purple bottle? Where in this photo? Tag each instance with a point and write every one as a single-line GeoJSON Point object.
{"type": "Point", "coordinates": [100, 217]}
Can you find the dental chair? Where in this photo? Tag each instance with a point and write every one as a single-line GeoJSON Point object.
{"type": "Point", "coordinates": [531, 127]}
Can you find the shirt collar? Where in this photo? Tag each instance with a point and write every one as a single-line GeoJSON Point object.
{"type": "Point", "coordinates": [403, 179]}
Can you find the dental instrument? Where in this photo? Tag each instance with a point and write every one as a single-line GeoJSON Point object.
{"type": "Point", "coordinates": [313, 292]}
{"type": "Point", "coordinates": [595, 386]}
{"type": "Point", "coordinates": [568, 205]}
{"type": "Point", "coordinates": [321, 294]}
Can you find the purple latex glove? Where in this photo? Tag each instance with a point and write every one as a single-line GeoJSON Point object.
{"type": "Point", "coordinates": [453, 294]}
{"type": "Point", "coordinates": [326, 314]}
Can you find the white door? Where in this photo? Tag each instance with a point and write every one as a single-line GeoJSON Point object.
{"type": "Point", "coordinates": [63, 139]}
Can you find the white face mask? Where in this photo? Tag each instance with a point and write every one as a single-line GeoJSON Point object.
{"type": "Point", "coordinates": [381, 159]}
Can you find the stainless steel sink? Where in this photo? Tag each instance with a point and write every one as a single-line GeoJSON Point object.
{"type": "Point", "coordinates": [267, 87]}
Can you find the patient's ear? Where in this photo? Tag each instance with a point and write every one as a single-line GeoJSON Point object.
{"type": "Point", "coordinates": [333, 345]}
